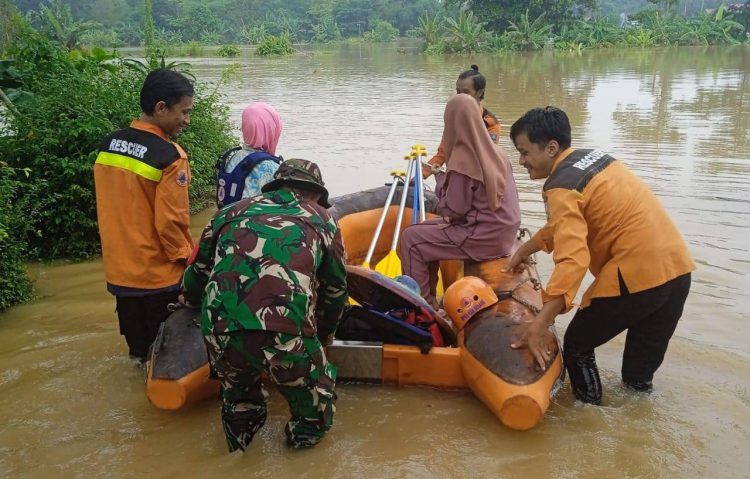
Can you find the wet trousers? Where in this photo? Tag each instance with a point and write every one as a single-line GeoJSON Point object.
{"type": "Point", "coordinates": [296, 365]}
{"type": "Point", "coordinates": [140, 318]}
{"type": "Point", "coordinates": [421, 248]}
{"type": "Point", "coordinates": [650, 317]}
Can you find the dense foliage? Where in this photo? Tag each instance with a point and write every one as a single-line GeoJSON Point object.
{"type": "Point", "coordinates": [58, 104]}
{"type": "Point", "coordinates": [462, 25]}
{"type": "Point", "coordinates": [229, 21]}
{"type": "Point", "coordinates": [73, 101]}
{"type": "Point", "coordinates": [15, 286]}
{"type": "Point", "coordinates": [498, 14]}
{"type": "Point", "coordinates": [465, 32]}
{"type": "Point", "coordinates": [382, 31]}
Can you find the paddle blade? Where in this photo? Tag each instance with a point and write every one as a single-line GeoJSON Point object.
{"type": "Point", "coordinates": [390, 265]}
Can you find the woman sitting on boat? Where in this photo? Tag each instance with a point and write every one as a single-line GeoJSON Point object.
{"type": "Point", "coordinates": [478, 201]}
{"type": "Point", "coordinates": [243, 170]}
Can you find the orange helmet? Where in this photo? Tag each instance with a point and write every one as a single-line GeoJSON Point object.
{"type": "Point", "coordinates": [466, 297]}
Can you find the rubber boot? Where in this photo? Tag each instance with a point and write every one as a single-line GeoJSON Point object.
{"type": "Point", "coordinates": [584, 376]}
{"type": "Point", "coordinates": [240, 425]}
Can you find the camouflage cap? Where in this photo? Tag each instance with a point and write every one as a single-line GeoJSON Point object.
{"type": "Point", "coordinates": [302, 173]}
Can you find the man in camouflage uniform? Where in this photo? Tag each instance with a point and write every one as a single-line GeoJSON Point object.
{"type": "Point", "coordinates": [269, 273]}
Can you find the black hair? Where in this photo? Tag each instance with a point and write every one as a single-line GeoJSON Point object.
{"type": "Point", "coordinates": [164, 85]}
{"type": "Point", "coordinates": [480, 83]}
{"type": "Point", "coordinates": [542, 125]}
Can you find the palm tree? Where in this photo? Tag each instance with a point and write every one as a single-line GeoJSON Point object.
{"type": "Point", "coordinates": [466, 33]}
{"type": "Point", "coordinates": [430, 29]}
{"type": "Point", "coordinates": [529, 35]}
{"type": "Point", "coordinates": [57, 20]}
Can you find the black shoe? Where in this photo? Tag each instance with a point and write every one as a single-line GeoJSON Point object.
{"type": "Point", "coordinates": [640, 386]}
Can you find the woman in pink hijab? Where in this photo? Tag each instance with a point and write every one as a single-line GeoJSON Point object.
{"type": "Point", "coordinates": [244, 170]}
{"type": "Point", "coordinates": [478, 201]}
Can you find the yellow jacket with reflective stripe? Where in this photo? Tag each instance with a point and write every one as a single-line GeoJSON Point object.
{"type": "Point", "coordinates": [142, 181]}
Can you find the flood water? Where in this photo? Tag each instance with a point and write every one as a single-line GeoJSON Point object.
{"type": "Point", "coordinates": [72, 405]}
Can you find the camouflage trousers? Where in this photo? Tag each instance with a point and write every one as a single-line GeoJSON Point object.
{"type": "Point", "coordinates": [296, 365]}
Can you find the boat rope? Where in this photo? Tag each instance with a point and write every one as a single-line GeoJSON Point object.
{"type": "Point", "coordinates": [536, 285]}
{"type": "Point", "coordinates": [531, 278]}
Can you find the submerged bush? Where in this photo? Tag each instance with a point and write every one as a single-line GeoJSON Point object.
{"type": "Point", "coordinates": [228, 51]}
{"type": "Point", "coordinates": [194, 49]}
{"type": "Point", "coordinates": [382, 32]}
{"type": "Point", "coordinates": [275, 46]}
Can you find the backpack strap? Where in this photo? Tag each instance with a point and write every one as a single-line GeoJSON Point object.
{"type": "Point", "coordinates": [230, 185]}
{"type": "Point", "coordinates": [252, 160]}
{"type": "Point", "coordinates": [222, 161]}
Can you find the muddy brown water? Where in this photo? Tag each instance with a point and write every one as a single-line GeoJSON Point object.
{"type": "Point", "coordinates": [72, 405]}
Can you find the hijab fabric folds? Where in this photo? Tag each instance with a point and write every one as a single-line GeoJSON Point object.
{"type": "Point", "coordinates": [469, 149]}
{"type": "Point", "coordinates": [261, 127]}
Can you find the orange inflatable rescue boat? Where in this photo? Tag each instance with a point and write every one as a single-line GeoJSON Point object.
{"type": "Point", "coordinates": [475, 353]}
{"type": "Point", "coordinates": [507, 381]}
{"type": "Point", "coordinates": [393, 336]}
{"type": "Point", "coordinates": [177, 373]}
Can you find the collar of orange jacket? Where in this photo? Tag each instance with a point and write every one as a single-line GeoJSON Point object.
{"type": "Point", "coordinates": [150, 127]}
{"type": "Point", "coordinates": [564, 154]}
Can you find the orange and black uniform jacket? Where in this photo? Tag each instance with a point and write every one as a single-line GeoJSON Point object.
{"type": "Point", "coordinates": [602, 217]}
{"type": "Point", "coordinates": [493, 128]}
{"type": "Point", "coordinates": [142, 181]}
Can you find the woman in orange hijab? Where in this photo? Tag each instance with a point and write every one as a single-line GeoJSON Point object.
{"type": "Point", "coordinates": [478, 201]}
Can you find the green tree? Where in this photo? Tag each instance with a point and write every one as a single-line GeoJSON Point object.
{"type": "Point", "coordinates": [430, 29]}
{"type": "Point", "coordinates": [198, 22]}
{"type": "Point", "coordinates": [404, 14]}
{"type": "Point", "coordinates": [56, 20]}
{"type": "Point", "coordinates": [498, 14]}
{"type": "Point", "coordinates": [529, 34]}
{"type": "Point", "coordinates": [353, 17]}
{"type": "Point", "coordinates": [9, 21]}
{"type": "Point", "coordinates": [741, 14]}
{"type": "Point", "coordinates": [465, 34]}
{"type": "Point", "coordinates": [149, 35]}
{"type": "Point", "coordinates": [382, 31]}
{"type": "Point", "coordinates": [666, 5]}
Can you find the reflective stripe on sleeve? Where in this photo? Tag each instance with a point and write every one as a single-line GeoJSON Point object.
{"type": "Point", "coordinates": [127, 163]}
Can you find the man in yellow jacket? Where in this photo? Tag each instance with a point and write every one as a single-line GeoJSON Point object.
{"type": "Point", "coordinates": [142, 177]}
{"type": "Point", "coordinates": [600, 217]}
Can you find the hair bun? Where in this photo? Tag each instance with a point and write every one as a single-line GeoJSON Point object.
{"type": "Point", "coordinates": [475, 68]}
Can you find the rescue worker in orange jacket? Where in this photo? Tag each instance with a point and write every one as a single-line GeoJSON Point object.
{"type": "Point", "coordinates": [600, 217]}
{"type": "Point", "coordinates": [141, 177]}
{"type": "Point", "coordinates": [472, 83]}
